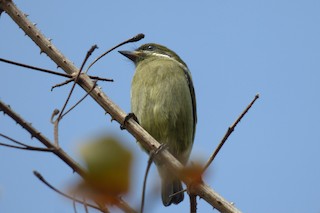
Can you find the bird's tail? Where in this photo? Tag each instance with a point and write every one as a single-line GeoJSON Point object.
{"type": "Point", "coordinates": [169, 187]}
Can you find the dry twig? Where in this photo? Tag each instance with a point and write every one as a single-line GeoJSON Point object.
{"type": "Point", "coordinates": [133, 39]}
{"type": "Point", "coordinates": [50, 71]}
{"type": "Point", "coordinates": [23, 146]}
{"type": "Point", "coordinates": [228, 133]}
{"type": "Point", "coordinates": [150, 160]}
{"type": "Point", "coordinates": [41, 178]}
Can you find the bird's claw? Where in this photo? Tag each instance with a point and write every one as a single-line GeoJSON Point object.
{"type": "Point", "coordinates": [128, 116]}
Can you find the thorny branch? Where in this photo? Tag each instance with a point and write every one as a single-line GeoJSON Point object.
{"type": "Point", "coordinates": [56, 150]}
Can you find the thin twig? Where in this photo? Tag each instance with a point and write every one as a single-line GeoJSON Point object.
{"type": "Point", "coordinates": [29, 148]}
{"type": "Point", "coordinates": [50, 71]}
{"type": "Point", "coordinates": [86, 95]}
{"type": "Point", "coordinates": [125, 206]}
{"type": "Point", "coordinates": [74, 206]}
{"type": "Point", "coordinates": [35, 68]}
{"type": "Point", "coordinates": [76, 80]}
{"type": "Point", "coordinates": [193, 203]}
{"type": "Point", "coordinates": [61, 84]}
{"type": "Point", "coordinates": [56, 122]}
{"type": "Point", "coordinates": [150, 160]}
{"type": "Point", "coordinates": [23, 146]}
{"type": "Point", "coordinates": [13, 140]}
{"type": "Point", "coordinates": [228, 133]}
{"type": "Point", "coordinates": [133, 39]}
{"type": "Point", "coordinates": [54, 113]}
{"type": "Point", "coordinates": [89, 53]}
{"type": "Point", "coordinates": [145, 183]}
{"type": "Point", "coordinates": [85, 204]}
{"type": "Point", "coordinates": [41, 178]}
{"type": "Point", "coordinates": [55, 127]}
{"type": "Point", "coordinates": [56, 132]}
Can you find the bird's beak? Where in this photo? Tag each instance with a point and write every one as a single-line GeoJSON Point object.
{"type": "Point", "coordinates": [132, 55]}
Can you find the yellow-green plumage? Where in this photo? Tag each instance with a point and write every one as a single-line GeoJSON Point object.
{"type": "Point", "coordinates": [163, 100]}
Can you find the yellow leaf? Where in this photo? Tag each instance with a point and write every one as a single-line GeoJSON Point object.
{"type": "Point", "coordinates": [108, 163]}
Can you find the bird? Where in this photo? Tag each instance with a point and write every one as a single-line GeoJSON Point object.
{"type": "Point", "coordinates": [164, 103]}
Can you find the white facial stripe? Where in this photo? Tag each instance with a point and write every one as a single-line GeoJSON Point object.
{"type": "Point", "coordinates": [160, 55]}
{"type": "Point", "coordinates": [168, 57]}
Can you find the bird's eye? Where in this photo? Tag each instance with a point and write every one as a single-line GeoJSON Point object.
{"type": "Point", "coordinates": [150, 47]}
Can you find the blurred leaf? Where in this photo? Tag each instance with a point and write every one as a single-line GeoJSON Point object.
{"type": "Point", "coordinates": [194, 172]}
{"type": "Point", "coordinates": [108, 164]}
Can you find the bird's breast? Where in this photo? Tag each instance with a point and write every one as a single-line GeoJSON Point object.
{"type": "Point", "coordinates": [161, 100]}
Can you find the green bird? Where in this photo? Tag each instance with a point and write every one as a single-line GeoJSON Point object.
{"type": "Point", "coordinates": [164, 102]}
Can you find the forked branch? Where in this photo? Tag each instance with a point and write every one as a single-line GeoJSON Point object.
{"type": "Point", "coordinates": [56, 150]}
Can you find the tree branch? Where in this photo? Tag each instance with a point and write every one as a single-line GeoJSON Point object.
{"type": "Point", "coordinates": [56, 150]}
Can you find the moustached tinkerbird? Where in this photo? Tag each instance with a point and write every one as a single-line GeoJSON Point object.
{"type": "Point", "coordinates": [164, 103]}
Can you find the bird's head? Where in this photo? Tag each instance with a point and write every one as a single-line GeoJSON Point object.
{"type": "Point", "coordinates": [151, 50]}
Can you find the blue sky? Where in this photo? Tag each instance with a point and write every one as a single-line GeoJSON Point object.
{"type": "Point", "coordinates": [234, 50]}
